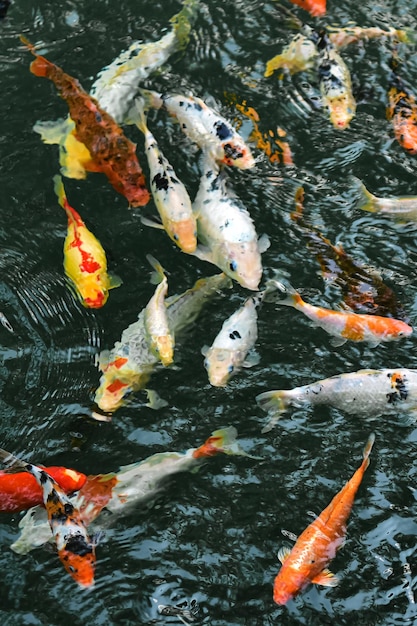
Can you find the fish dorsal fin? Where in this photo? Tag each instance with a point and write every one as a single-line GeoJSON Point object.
{"type": "Point", "coordinates": [326, 578]}
{"type": "Point", "coordinates": [283, 554]}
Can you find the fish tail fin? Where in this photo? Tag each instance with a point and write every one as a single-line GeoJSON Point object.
{"type": "Point", "coordinates": [60, 191]}
{"type": "Point", "coordinates": [274, 64]}
{"type": "Point", "coordinates": [183, 21]}
{"type": "Point", "coordinates": [138, 115]}
{"type": "Point", "coordinates": [153, 99]}
{"type": "Point", "coordinates": [159, 274]}
{"type": "Point", "coordinates": [40, 66]}
{"type": "Point", "coordinates": [367, 450]}
{"type": "Point", "coordinates": [274, 286]}
{"type": "Point", "coordinates": [11, 461]}
{"type": "Point", "coordinates": [368, 199]}
{"type": "Point", "coordinates": [275, 403]}
{"type": "Point", "coordinates": [221, 441]}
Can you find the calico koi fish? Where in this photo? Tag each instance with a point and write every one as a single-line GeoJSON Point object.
{"type": "Point", "coordinates": [76, 551]}
{"type": "Point", "coordinates": [226, 231]}
{"type": "Point", "coordinates": [206, 128]}
{"type": "Point", "coordinates": [109, 149]}
{"type": "Point", "coordinates": [128, 366]}
{"type": "Point", "coordinates": [402, 208]}
{"type": "Point", "coordinates": [170, 195]}
{"type": "Point", "coordinates": [335, 83]}
{"type": "Point", "coordinates": [318, 544]}
{"type": "Point", "coordinates": [228, 352]}
{"type": "Point", "coordinates": [85, 261]}
{"type": "Point", "coordinates": [316, 8]}
{"type": "Point", "coordinates": [133, 484]}
{"type": "Point", "coordinates": [160, 337]}
{"type": "Point", "coordinates": [20, 490]}
{"type": "Point", "coordinates": [366, 393]}
{"type": "Point", "coordinates": [344, 326]}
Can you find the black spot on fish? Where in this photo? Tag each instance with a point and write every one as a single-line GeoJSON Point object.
{"type": "Point", "coordinates": [235, 335]}
{"type": "Point", "coordinates": [231, 152]}
{"type": "Point", "coordinates": [44, 478]}
{"type": "Point", "coordinates": [181, 103]}
{"type": "Point", "coordinates": [222, 130]}
{"type": "Point", "coordinates": [197, 106]}
{"type": "Point", "coordinates": [78, 545]}
{"type": "Point", "coordinates": [160, 182]}
{"type": "Point", "coordinates": [68, 508]}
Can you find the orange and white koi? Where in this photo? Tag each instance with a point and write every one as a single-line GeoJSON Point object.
{"type": "Point", "coordinates": [316, 8]}
{"type": "Point", "coordinates": [403, 208]}
{"type": "Point", "coordinates": [206, 128]}
{"type": "Point", "coordinates": [160, 337]}
{"type": "Point", "coordinates": [107, 149]}
{"type": "Point", "coordinates": [365, 393]}
{"type": "Point", "coordinates": [402, 110]}
{"type": "Point", "coordinates": [169, 194]}
{"type": "Point", "coordinates": [317, 545]}
{"type": "Point", "coordinates": [344, 326]}
{"type": "Point", "coordinates": [225, 229]}
{"type": "Point", "coordinates": [76, 550]}
{"type": "Point", "coordinates": [85, 261]}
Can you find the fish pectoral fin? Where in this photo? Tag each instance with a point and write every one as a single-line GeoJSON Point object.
{"type": "Point", "coordinates": [251, 360]}
{"type": "Point", "coordinates": [204, 350]}
{"type": "Point", "coordinates": [337, 341]}
{"type": "Point", "coordinates": [114, 281]}
{"type": "Point", "coordinates": [264, 243]}
{"type": "Point", "coordinates": [326, 578]}
{"type": "Point", "coordinates": [374, 343]}
{"type": "Point", "coordinates": [204, 254]}
{"type": "Point", "coordinates": [152, 222]}
{"type": "Point", "coordinates": [283, 554]}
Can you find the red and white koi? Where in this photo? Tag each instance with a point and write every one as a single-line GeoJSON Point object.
{"type": "Point", "coordinates": [342, 325]}
{"type": "Point", "coordinates": [205, 127]}
{"type": "Point", "coordinates": [226, 230]}
{"type": "Point", "coordinates": [85, 261]}
{"type": "Point", "coordinates": [317, 545]}
{"type": "Point", "coordinates": [160, 337]}
{"type": "Point", "coordinates": [169, 194]}
{"type": "Point", "coordinates": [316, 8]}
{"type": "Point", "coordinates": [228, 353]}
{"type": "Point", "coordinates": [76, 550]}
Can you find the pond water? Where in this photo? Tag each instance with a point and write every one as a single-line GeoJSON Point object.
{"type": "Point", "coordinates": [209, 540]}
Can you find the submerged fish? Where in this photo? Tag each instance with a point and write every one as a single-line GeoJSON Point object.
{"type": "Point", "coordinates": [228, 352]}
{"type": "Point", "coordinates": [226, 230]}
{"type": "Point", "coordinates": [130, 363]}
{"type": "Point", "coordinates": [109, 150]}
{"type": "Point", "coordinates": [316, 8]}
{"type": "Point", "coordinates": [402, 110]}
{"type": "Point", "coordinates": [160, 337]}
{"type": "Point", "coordinates": [76, 551]}
{"type": "Point", "coordinates": [20, 490]}
{"type": "Point", "coordinates": [335, 83]}
{"type": "Point", "coordinates": [365, 393]}
{"type": "Point", "coordinates": [206, 128]}
{"type": "Point", "coordinates": [85, 261]}
{"type": "Point", "coordinates": [344, 326]}
{"type": "Point", "coordinates": [133, 484]}
{"type": "Point", "coordinates": [403, 208]}
{"type": "Point", "coordinates": [169, 194]}
{"type": "Point", "coordinates": [317, 545]}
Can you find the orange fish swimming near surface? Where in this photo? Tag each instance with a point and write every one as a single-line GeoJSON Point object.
{"type": "Point", "coordinates": [402, 111]}
{"type": "Point", "coordinates": [85, 261]}
{"type": "Point", "coordinates": [76, 550]}
{"type": "Point", "coordinates": [316, 8]}
{"type": "Point", "coordinates": [317, 545]}
{"type": "Point", "coordinates": [111, 152]}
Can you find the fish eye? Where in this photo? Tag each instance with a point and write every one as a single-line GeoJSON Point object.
{"type": "Point", "coordinates": [175, 237]}
{"type": "Point", "coordinates": [72, 569]}
{"type": "Point", "coordinates": [233, 266]}
{"type": "Point", "coordinates": [230, 369]}
{"type": "Point", "coordinates": [401, 333]}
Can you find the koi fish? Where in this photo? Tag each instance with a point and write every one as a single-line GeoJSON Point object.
{"type": "Point", "coordinates": [85, 261]}
{"type": "Point", "coordinates": [228, 353]}
{"type": "Point", "coordinates": [160, 337]}
{"type": "Point", "coordinates": [109, 149]}
{"type": "Point", "coordinates": [226, 230]}
{"type": "Point", "coordinates": [343, 326]}
{"type": "Point", "coordinates": [402, 110]}
{"type": "Point", "coordinates": [403, 208]}
{"type": "Point", "coordinates": [206, 128]}
{"type": "Point", "coordinates": [366, 393]}
{"type": "Point", "coordinates": [317, 545]}
{"type": "Point", "coordinates": [20, 491]}
{"type": "Point", "coordinates": [76, 551]}
{"type": "Point", "coordinates": [363, 289]}
{"type": "Point", "coordinates": [133, 484]}
{"type": "Point", "coordinates": [316, 8]}
{"type": "Point", "coordinates": [128, 366]}
{"type": "Point", "coordinates": [335, 83]}
{"type": "Point", "coordinates": [170, 195]}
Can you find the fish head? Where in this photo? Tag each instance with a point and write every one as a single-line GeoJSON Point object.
{"type": "Point", "coordinates": [398, 330]}
{"type": "Point", "coordinates": [91, 288]}
{"type": "Point", "coordinates": [116, 383]}
{"type": "Point", "coordinates": [95, 298]}
{"type": "Point", "coordinates": [79, 559]}
{"type": "Point", "coordinates": [287, 587]}
{"type": "Point", "coordinates": [341, 109]}
{"type": "Point", "coordinates": [242, 262]}
{"type": "Point", "coordinates": [406, 134]}
{"type": "Point", "coordinates": [219, 364]}
{"type": "Point", "coordinates": [237, 154]}
{"type": "Point", "coordinates": [183, 233]}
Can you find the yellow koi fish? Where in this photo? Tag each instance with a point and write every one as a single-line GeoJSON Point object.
{"type": "Point", "coordinates": [85, 261]}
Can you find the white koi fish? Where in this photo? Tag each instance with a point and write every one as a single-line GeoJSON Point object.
{"type": "Point", "coordinates": [335, 84]}
{"type": "Point", "coordinates": [403, 208]}
{"type": "Point", "coordinates": [228, 352]}
{"type": "Point", "coordinates": [76, 551]}
{"type": "Point", "coordinates": [366, 393]}
{"type": "Point", "coordinates": [169, 194]}
{"type": "Point", "coordinates": [130, 363]}
{"type": "Point", "coordinates": [226, 230]}
{"type": "Point", "coordinates": [131, 485]}
{"type": "Point", "coordinates": [206, 128]}
{"type": "Point", "coordinates": [160, 337]}
{"type": "Point", "coordinates": [344, 325]}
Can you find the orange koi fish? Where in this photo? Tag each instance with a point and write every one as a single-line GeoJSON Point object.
{"type": "Point", "coordinates": [316, 8]}
{"type": "Point", "coordinates": [402, 111]}
{"type": "Point", "coordinates": [85, 261]}
{"type": "Point", "coordinates": [76, 551]}
{"type": "Point", "coordinates": [109, 149]}
{"type": "Point", "coordinates": [20, 491]}
{"type": "Point", "coordinates": [314, 549]}
{"type": "Point", "coordinates": [341, 325]}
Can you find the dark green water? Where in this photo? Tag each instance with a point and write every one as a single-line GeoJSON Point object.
{"type": "Point", "coordinates": [213, 536]}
